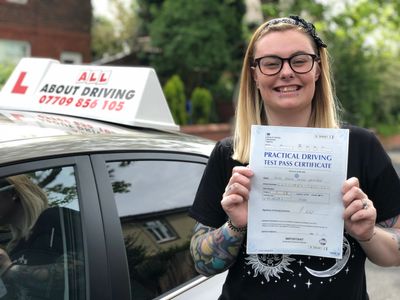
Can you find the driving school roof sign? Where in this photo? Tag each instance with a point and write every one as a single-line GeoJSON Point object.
{"type": "Point", "coordinates": [125, 95]}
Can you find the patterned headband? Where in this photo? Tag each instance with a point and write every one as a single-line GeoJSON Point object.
{"type": "Point", "coordinates": [296, 20]}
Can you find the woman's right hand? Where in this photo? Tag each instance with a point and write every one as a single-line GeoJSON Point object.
{"type": "Point", "coordinates": [234, 200]}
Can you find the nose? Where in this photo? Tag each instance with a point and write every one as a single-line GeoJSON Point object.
{"type": "Point", "coordinates": [286, 71]}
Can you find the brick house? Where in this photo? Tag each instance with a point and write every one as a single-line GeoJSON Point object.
{"type": "Point", "coordinates": [58, 29]}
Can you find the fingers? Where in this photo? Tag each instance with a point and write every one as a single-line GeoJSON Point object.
{"type": "Point", "coordinates": [239, 183]}
{"type": "Point", "coordinates": [359, 209]}
{"type": "Point", "coordinates": [355, 201]}
{"type": "Point", "coordinates": [236, 192]}
{"type": "Point", "coordinates": [234, 199]}
{"type": "Point", "coordinates": [357, 205]}
{"type": "Point", "coordinates": [349, 184]}
{"type": "Point", "coordinates": [245, 171]}
{"type": "Point", "coordinates": [352, 194]}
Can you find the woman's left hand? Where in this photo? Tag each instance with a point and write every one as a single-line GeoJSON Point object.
{"type": "Point", "coordinates": [359, 213]}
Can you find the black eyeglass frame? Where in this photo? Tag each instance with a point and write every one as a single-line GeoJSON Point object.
{"type": "Point", "coordinates": [256, 62]}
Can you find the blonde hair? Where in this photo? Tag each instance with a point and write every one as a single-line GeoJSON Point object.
{"type": "Point", "coordinates": [250, 106]}
{"type": "Point", "coordinates": [33, 201]}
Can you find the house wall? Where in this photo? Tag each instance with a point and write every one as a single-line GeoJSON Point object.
{"type": "Point", "coordinates": [51, 27]}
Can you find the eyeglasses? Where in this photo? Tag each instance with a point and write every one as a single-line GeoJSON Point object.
{"type": "Point", "coordinates": [272, 64]}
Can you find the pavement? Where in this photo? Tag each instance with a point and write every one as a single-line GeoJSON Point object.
{"type": "Point", "coordinates": [384, 283]}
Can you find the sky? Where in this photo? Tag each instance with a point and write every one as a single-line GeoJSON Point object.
{"type": "Point", "coordinates": [103, 7]}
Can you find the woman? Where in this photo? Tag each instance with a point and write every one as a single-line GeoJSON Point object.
{"type": "Point", "coordinates": [32, 267]}
{"type": "Point", "coordinates": [286, 81]}
{"type": "Point", "coordinates": [22, 203]}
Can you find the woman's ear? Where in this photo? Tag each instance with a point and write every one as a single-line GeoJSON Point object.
{"type": "Point", "coordinates": [254, 75]}
{"type": "Point", "coordinates": [317, 72]}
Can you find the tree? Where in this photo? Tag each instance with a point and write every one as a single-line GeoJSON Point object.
{"type": "Point", "coordinates": [174, 91]}
{"type": "Point", "coordinates": [110, 37]}
{"type": "Point", "coordinates": [197, 39]}
{"type": "Point", "coordinates": [201, 105]}
{"type": "Point", "coordinates": [363, 57]}
{"type": "Point", "coordinates": [363, 40]}
{"type": "Point", "coordinates": [147, 12]}
{"type": "Point", "coordinates": [5, 72]}
{"type": "Point", "coordinates": [104, 38]}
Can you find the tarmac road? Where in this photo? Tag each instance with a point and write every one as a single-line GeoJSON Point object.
{"type": "Point", "coordinates": [384, 283]}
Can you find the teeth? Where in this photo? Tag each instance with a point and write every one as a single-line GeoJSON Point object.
{"type": "Point", "coordinates": [288, 89]}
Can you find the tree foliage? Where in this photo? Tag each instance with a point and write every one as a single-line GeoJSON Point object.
{"type": "Point", "coordinates": [201, 105]}
{"type": "Point", "coordinates": [104, 39]}
{"type": "Point", "coordinates": [5, 72]}
{"type": "Point", "coordinates": [174, 91]}
{"type": "Point", "coordinates": [197, 39]}
{"type": "Point", "coordinates": [363, 55]}
{"type": "Point", "coordinates": [363, 40]}
{"type": "Point", "coordinates": [147, 11]}
{"type": "Point", "coordinates": [204, 41]}
{"type": "Point", "coordinates": [110, 37]}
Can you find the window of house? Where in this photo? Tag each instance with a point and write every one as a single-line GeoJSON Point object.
{"type": "Point", "coordinates": [12, 51]}
{"type": "Point", "coordinates": [18, 1]}
{"type": "Point", "coordinates": [68, 57]}
{"type": "Point", "coordinates": [160, 230]}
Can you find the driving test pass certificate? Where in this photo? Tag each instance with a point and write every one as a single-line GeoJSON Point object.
{"type": "Point", "coordinates": [295, 202]}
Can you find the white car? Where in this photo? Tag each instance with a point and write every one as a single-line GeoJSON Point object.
{"type": "Point", "coordinates": [118, 176]}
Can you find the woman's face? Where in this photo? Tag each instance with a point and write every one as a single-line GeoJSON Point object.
{"type": "Point", "coordinates": [287, 91]}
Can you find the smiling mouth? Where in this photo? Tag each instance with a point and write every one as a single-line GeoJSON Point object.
{"type": "Point", "coordinates": [287, 89]}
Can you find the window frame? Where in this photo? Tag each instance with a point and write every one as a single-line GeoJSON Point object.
{"type": "Point", "coordinates": [118, 260]}
{"type": "Point", "coordinates": [26, 44]}
{"type": "Point", "coordinates": [21, 2]}
{"type": "Point", "coordinates": [160, 230]}
{"type": "Point", "coordinates": [71, 57]}
{"type": "Point", "coordinates": [96, 270]}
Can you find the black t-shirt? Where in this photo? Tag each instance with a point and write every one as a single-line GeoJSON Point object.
{"type": "Point", "coordinates": [296, 276]}
{"type": "Point", "coordinates": [46, 247]}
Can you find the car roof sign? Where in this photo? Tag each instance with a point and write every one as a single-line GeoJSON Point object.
{"type": "Point", "coordinates": [125, 95]}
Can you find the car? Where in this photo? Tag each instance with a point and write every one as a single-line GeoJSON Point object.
{"type": "Point", "coordinates": [117, 176]}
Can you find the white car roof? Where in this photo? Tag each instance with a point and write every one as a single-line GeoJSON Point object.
{"type": "Point", "coordinates": [43, 112]}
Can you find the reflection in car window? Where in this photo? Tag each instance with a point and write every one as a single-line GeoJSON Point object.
{"type": "Point", "coordinates": [152, 199]}
{"type": "Point", "coordinates": [41, 254]}
{"type": "Point", "coordinates": [160, 230]}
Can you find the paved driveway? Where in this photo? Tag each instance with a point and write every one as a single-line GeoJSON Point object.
{"type": "Point", "coordinates": [383, 283]}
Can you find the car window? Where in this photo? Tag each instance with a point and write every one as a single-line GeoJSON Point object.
{"type": "Point", "coordinates": [152, 198]}
{"type": "Point", "coordinates": [41, 255]}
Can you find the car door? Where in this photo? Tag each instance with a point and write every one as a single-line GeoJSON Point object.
{"type": "Point", "coordinates": [150, 193]}
{"type": "Point", "coordinates": [56, 244]}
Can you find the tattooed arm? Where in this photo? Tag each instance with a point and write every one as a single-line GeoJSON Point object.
{"type": "Point", "coordinates": [47, 280]}
{"type": "Point", "coordinates": [384, 247]}
{"type": "Point", "coordinates": [214, 250]}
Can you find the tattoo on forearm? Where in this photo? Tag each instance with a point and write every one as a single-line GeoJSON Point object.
{"type": "Point", "coordinates": [389, 223]}
{"type": "Point", "coordinates": [214, 250]}
{"type": "Point", "coordinates": [395, 232]}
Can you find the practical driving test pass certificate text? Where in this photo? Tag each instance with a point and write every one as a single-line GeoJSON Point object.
{"type": "Point", "coordinates": [295, 203]}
